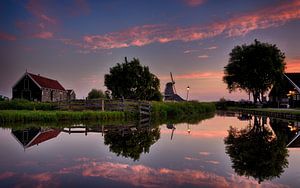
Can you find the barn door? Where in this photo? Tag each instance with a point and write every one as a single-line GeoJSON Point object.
{"type": "Point", "coordinates": [26, 95]}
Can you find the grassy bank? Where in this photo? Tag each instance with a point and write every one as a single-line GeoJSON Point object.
{"type": "Point", "coordinates": [10, 116]}
{"type": "Point", "coordinates": [286, 111]}
{"type": "Point", "coordinates": [18, 104]}
{"type": "Point", "coordinates": [165, 110]}
{"type": "Point", "coordinates": [25, 111]}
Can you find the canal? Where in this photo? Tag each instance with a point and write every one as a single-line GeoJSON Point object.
{"type": "Point", "coordinates": [227, 150]}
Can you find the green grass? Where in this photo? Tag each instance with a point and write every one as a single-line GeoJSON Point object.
{"type": "Point", "coordinates": [165, 110]}
{"type": "Point", "coordinates": [18, 104]}
{"type": "Point", "coordinates": [11, 116]}
{"type": "Point", "coordinates": [161, 112]}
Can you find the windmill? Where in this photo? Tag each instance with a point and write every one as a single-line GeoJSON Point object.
{"type": "Point", "coordinates": [170, 91]}
{"type": "Point", "coordinates": [173, 83]}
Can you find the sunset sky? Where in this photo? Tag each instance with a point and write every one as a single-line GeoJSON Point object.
{"type": "Point", "coordinates": [76, 42]}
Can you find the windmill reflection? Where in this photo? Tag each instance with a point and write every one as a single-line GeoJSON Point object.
{"type": "Point", "coordinates": [172, 127]}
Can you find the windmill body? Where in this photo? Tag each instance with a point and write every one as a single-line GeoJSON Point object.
{"type": "Point", "coordinates": [170, 91]}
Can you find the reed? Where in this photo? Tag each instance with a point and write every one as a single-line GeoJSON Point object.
{"type": "Point", "coordinates": [165, 110]}
{"type": "Point", "coordinates": [11, 116]}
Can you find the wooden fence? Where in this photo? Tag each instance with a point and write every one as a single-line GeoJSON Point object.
{"type": "Point", "coordinates": [142, 107]}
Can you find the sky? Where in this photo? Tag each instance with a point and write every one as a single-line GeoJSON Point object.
{"type": "Point", "coordinates": [76, 42]}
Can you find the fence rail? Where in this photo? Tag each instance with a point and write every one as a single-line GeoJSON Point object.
{"type": "Point", "coordinates": [142, 107]}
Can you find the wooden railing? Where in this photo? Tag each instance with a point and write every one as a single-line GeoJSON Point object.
{"type": "Point", "coordinates": [142, 107]}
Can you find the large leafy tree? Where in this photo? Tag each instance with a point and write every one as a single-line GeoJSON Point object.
{"type": "Point", "coordinates": [131, 80]}
{"type": "Point", "coordinates": [254, 68]}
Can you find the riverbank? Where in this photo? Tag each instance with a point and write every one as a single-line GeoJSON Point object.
{"type": "Point", "coordinates": [160, 112]}
{"type": "Point", "coordinates": [291, 114]}
{"type": "Point", "coordinates": [175, 110]}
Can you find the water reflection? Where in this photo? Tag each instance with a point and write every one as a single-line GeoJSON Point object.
{"type": "Point", "coordinates": [34, 136]}
{"type": "Point", "coordinates": [256, 151]}
{"type": "Point", "coordinates": [131, 142]}
{"type": "Point", "coordinates": [138, 154]}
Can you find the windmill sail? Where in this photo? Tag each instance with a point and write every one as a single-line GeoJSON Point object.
{"type": "Point", "coordinates": [173, 83]}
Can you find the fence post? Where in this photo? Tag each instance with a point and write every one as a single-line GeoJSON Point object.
{"type": "Point", "coordinates": [102, 104]}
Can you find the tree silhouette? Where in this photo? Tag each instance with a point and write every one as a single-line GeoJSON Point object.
{"type": "Point", "coordinates": [131, 143]}
{"type": "Point", "coordinates": [256, 152]}
{"type": "Point", "coordinates": [254, 68]}
{"type": "Point", "coordinates": [131, 80]}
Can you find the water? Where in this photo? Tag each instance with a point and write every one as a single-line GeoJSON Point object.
{"type": "Point", "coordinates": [194, 155]}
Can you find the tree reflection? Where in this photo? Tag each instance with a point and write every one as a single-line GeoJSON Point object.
{"type": "Point", "coordinates": [255, 151]}
{"type": "Point", "coordinates": [131, 143]}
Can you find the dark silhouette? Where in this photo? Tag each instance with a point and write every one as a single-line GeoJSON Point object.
{"type": "Point", "coordinates": [255, 151]}
{"type": "Point", "coordinates": [130, 143]}
{"type": "Point", "coordinates": [254, 68]}
{"type": "Point", "coordinates": [96, 94]}
{"type": "Point", "coordinates": [131, 80]}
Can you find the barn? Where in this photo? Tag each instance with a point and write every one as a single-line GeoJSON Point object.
{"type": "Point", "coordinates": [38, 88]}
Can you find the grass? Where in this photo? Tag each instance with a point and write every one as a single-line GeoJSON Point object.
{"type": "Point", "coordinates": [18, 104]}
{"type": "Point", "coordinates": [167, 110]}
{"type": "Point", "coordinates": [26, 111]}
{"type": "Point", "coordinates": [11, 116]}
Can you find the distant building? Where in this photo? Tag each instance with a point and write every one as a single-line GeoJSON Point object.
{"type": "Point", "coordinates": [38, 88]}
{"type": "Point", "coordinates": [287, 92]}
{"type": "Point", "coordinates": [71, 95]}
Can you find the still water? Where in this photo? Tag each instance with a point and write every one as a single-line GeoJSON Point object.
{"type": "Point", "coordinates": [227, 150]}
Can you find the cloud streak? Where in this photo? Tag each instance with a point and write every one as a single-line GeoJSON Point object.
{"type": "Point", "coordinates": [239, 25]}
{"type": "Point", "coordinates": [7, 37]}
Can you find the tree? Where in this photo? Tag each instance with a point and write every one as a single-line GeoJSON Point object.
{"type": "Point", "coordinates": [254, 68]}
{"type": "Point", "coordinates": [256, 152]}
{"type": "Point", "coordinates": [96, 94]}
{"type": "Point", "coordinates": [130, 80]}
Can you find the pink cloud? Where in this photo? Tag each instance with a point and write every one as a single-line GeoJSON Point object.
{"type": "Point", "coordinates": [145, 176]}
{"type": "Point", "coordinates": [194, 3]}
{"type": "Point", "coordinates": [211, 48]}
{"type": "Point", "coordinates": [293, 65]}
{"type": "Point", "coordinates": [36, 8]}
{"type": "Point", "coordinates": [197, 133]}
{"type": "Point", "coordinates": [6, 175]}
{"type": "Point", "coordinates": [239, 25]}
{"type": "Point", "coordinates": [204, 153]}
{"type": "Point", "coordinates": [200, 75]}
{"type": "Point", "coordinates": [43, 35]}
{"type": "Point", "coordinates": [8, 37]}
{"type": "Point", "coordinates": [203, 56]}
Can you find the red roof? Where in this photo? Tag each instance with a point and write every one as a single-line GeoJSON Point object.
{"type": "Point", "coordinates": [44, 136]}
{"type": "Point", "coordinates": [46, 82]}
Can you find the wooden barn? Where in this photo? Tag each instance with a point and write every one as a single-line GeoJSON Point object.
{"type": "Point", "coordinates": [38, 88]}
